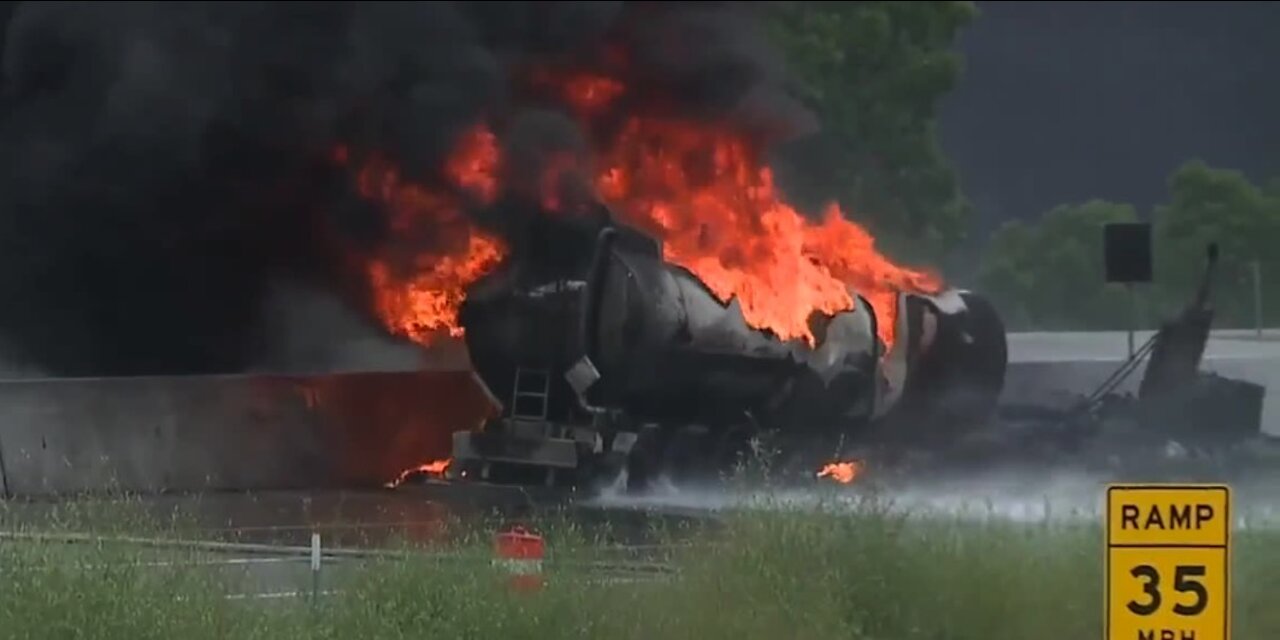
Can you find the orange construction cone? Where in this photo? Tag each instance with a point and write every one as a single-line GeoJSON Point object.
{"type": "Point", "coordinates": [520, 553]}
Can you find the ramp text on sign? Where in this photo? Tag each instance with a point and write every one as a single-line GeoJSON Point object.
{"type": "Point", "coordinates": [1167, 557]}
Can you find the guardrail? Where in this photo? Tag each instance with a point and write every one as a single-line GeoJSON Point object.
{"type": "Point", "coordinates": [318, 558]}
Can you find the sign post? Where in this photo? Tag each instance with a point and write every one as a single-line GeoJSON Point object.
{"type": "Point", "coordinates": [1167, 562]}
{"type": "Point", "coordinates": [1257, 296]}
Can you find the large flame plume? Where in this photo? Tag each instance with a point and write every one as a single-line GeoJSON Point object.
{"type": "Point", "coordinates": [731, 228]}
{"type": "Point", "coordinates": [701, 188]}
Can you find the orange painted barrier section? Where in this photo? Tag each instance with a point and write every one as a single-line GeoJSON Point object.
{"type": "Point", "coordinates": [520, 553]}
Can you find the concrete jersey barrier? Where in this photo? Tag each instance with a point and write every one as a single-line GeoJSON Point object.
{"type": "Point", "coordinates": [233, 432]}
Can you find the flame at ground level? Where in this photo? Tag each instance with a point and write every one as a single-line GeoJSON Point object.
{"type": "Point", "coordinates": [433, 468]}
{"type": "Point", "coordinates": [842, 472]}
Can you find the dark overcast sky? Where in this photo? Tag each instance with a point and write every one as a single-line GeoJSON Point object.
{"type": "Point", "coordinates": [1067, 101]}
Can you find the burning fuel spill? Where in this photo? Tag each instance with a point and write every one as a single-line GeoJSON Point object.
{"type": "Point", "coordinates": [169, 165]}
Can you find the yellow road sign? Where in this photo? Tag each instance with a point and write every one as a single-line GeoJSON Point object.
{"type": "Point", "coordinates": [1167, 562]}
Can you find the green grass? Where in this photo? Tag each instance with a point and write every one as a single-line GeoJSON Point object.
{"type": "Point", "coordinates": [771, 573]}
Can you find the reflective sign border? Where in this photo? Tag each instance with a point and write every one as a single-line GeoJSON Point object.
{"type": "Point", "coordinates": [1106, 545]}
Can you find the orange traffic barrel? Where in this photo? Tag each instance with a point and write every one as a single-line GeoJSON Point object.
{"type": "Point", "coordinates": [520, 553]}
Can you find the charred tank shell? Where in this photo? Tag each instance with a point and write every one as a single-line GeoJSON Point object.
{"type": "Point", "coordinates": [664, 345]}
{"type": "Point", "coordinates": [662, 348]}
{"type": "Point", "coordinates": [956, 354]}
{"type": "Point", "coordinates": [512, 323]}
{"type": "Point", "coordinates": [526, 314]}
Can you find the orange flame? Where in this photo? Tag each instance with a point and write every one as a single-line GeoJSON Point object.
{"type": "Point", "coordinates": [434, 468]}
{"type": "Point", "coordinates": [425, 300]}
{"type": "Point", "coordinates": [842, 472]}
{"type": "Point", "coordinates": [473, 164]}
{"type": "Point", "coordinates": [428, 301]}
{"type": "Point", "coordinates": [716, 209]}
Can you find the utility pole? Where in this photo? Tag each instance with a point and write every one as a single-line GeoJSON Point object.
{"type": "Point", "coordinates": [1257, 295]}
{"type": "Point", "coordinates": [1133, 305]}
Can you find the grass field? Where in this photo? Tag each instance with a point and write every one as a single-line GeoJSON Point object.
{"type": "Point", "coordinates": [769, 574]}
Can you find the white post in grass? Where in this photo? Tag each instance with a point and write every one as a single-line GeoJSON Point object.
{"type": "Point", "coordinates": [315, 567]}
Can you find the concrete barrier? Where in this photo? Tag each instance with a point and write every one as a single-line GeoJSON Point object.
{"type": "Point", "coordinates": [1045, 365]}
{"type": "Point", "coordinates": [236, 432]}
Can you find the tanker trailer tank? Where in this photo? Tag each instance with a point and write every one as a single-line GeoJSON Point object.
{"type": "Point", "coordinates": [647, 370]}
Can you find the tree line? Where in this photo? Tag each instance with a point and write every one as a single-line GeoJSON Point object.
{"type": "Point", "coordinates": [1048, 274]}
{"type": "Point", "coordinates": [875, 72]}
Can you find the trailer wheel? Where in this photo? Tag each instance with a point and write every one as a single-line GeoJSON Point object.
{"type": "Point", "coordinates": [733, 448]}
{"type": "Point", "coordinates": [687, 457]}
{"type": "Point", "coordinates": [644, 461]}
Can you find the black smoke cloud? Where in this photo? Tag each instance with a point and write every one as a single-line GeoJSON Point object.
{"type": "Point", "coordinates": [162, 162]}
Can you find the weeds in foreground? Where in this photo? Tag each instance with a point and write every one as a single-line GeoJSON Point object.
{"type": "Point", "coordinates": [813, 572]}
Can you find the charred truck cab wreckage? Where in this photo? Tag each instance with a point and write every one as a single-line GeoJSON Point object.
{"type": "Point", "coordinates": [617, 366]}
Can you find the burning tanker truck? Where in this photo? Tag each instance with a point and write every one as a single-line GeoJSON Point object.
{"type": "Point", "coordinates": [617, 366]}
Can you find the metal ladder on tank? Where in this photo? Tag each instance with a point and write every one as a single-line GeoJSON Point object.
{"type": "Point", "coordinates": [540, 393]}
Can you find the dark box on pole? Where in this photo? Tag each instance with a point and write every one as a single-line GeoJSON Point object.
{"type": "Point", "coordinates": [1127, 252]}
